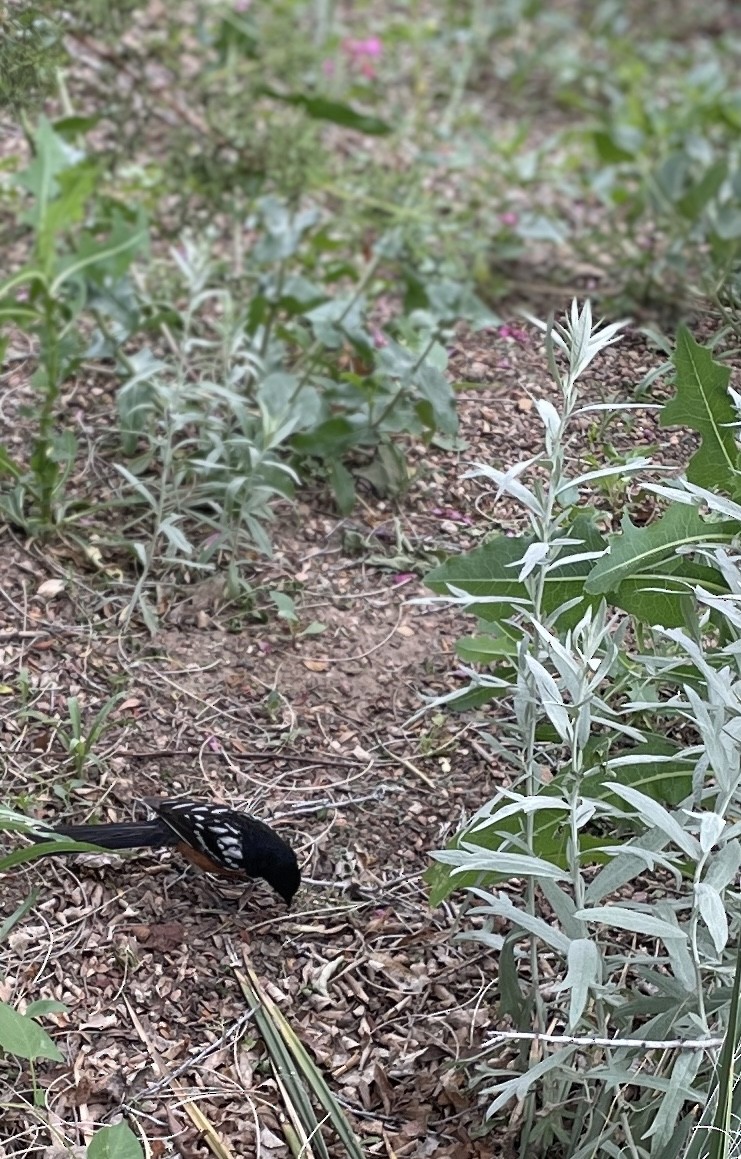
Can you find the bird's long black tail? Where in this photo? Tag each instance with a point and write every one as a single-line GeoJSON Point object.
{"type": "Point", "coordinates": [117, 835]}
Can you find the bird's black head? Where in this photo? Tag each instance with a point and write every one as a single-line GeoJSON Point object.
{"type": "Point", "coordinates": [267, 855]}
{"type": "Point", "coordinates": [283, 874]}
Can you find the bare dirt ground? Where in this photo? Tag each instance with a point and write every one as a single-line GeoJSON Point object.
{"type": "Point", "coordinates": [313, 732]}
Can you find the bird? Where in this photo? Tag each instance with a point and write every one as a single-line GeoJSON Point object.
{"type": "Point", "coordinates": [214, 837]}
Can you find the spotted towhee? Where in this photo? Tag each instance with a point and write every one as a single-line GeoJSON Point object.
{"type": "Point", "coordinates": [213, 837]}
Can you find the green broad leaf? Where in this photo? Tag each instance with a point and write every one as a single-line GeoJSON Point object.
{"type": "Point", "coordinates": [702, 403]}
{"type": "Point", "coordinates": [74, 126]}
{"type": "Point", "coordinates": [278, 391]}
{"type": "Point", "coordinates": [330, 440]}
{"type": "Point", "coordinates": [315, 628]}
{"type": "Point", "coordinates": [108, 258]}
{"type": "Point", "coordinates": [727, 226]}
{"type": "Point", "coordinates": [485, 649]}
{"type": "Point", "coordinates": [672, 175]}
{"type": "Point", "coordinates": [696, 199]}
{"type": "Point", "coordinates": [659, 596]}
{"type": "Point", "coordinates": [336, 112]}
{"type": "Point", "coordinates": [52, 157]}
{"type": "Point", "coordinates": [116, 1142]}
{"type": "Point", "coordinates": [21, 1036]}
{"type": "Point", "coordinates": [638, 550]}
{"type": "Point", "coordinates": [476, 697]}
{"type": "Point", "coordinates": [669, 782]}
{"type": "Point", "coordinates": [388, 472]}
{"type": "Point", "coordinates": [550, 843]}
{"type": "Point", "coordinates": [617, 145]}
{"type": "Point", "coordinates": [666, 781]}
{"type": "Point", "coordinates": [236, 33]}
{"type": "Point", "coordinates": [341, 482]}
{"type": "Point", "coordinates": [75, 187]}
{"type": "Point", "coordinates": [285, 605]}
{"type": "Point", "coordinates": [44, 1006]}
{"type": "Point", "coordinates": [487, 571]}
{"type": "Point", "coordinates": [436, 390]}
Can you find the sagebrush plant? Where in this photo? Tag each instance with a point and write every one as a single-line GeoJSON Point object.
{"type": "Point", "coordinates": [202, 470]}
{"type": "Point", "coordinates": [622, 818]}
{"type": "Point", "coordinates": [267, 376]}
{"type": "Point", "coordinates": [260, 368]}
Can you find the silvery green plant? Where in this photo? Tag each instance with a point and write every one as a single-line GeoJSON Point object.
{"type": "Point", "coordinates": [203, 447]}
{"type": "Point", "coordinates": [612, 859]}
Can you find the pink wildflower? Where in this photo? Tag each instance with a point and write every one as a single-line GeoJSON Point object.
{"type": "Point", "coordinates": [452, 515]}
{"type": "Point", "coordinates": [520, 336]}
{"type": "Point", "coordinates": [362, 53]}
